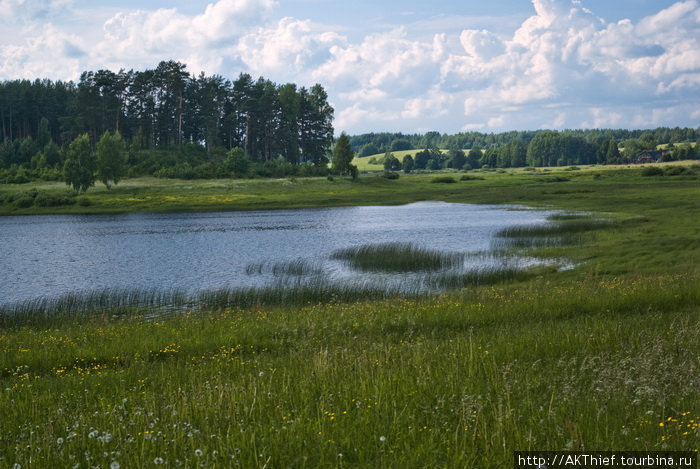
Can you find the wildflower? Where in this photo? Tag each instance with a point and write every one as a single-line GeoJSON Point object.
{"type": "Point", "coordinates": [158, 461]}
{"type": "Point", "coordinates": [59, 441]}
{"type": "Point", "coordinates": [114, 465]}
{"type": "Point", "coordinates": [93, 434]}
{"type": "Point", "coordinates": [198, 452]}
{"type": "Point", "coordinates": [382, 438]}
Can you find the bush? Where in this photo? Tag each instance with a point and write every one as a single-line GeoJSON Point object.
{"type": "Point", "coordinates": [54, 200]}
{"type": "Point", "coordinates": [444, 179]}
{"type": "Point", "coordinates": [677, 171]}
{"type": "Point", "coordinates": [84, 202]}
{"type": "Point", "coordinates": [390, 175]}
{"type": "Point", "coordinates": [24, 201]}
{"type": "Point", "coordinates": [652, 171]}
{"type": "Point", "coordinates": [467, 177]}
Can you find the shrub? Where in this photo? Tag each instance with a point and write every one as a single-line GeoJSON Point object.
{"type": "Point", "coordinates": [467, 177]}
{"type": "Point", "coordinates": [54, 200]}
{"type": "Point", "coordinates": [652, 171]}
{"type": "Point", "coordinates": [444, 179]}
{"type": "Point", "coordinates": [84, 202]}
{"type": "Point", "coordinates": [24, 201]}
{"type": "Point", "coordinates": [390, 175]}
{"type": "Point", "coordinates": [676, 170]}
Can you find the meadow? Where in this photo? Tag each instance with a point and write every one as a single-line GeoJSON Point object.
{"type": "Point", "coordinates": [604, 356]}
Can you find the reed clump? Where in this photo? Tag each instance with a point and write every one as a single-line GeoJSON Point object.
{"type": "Point", "coordinates": [397, 257]}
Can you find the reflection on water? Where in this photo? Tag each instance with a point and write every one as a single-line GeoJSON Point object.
{"type": "Point", "coordinates": [54, 255]}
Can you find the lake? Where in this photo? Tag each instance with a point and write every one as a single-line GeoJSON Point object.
{"type": "Point", "coordinates": [46, 256]}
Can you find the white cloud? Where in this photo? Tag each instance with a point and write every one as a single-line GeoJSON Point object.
{"type": "Point", "coordinates": [562, 65]}
{"type": "Point", "coordinates": [14, 10]}
{"type": "Point", "coordinates": [481, 44]}
{"type": "Point", "coordinates": [498, 121]}
{"type": "Point", "coordinates": [291, 46]}
{"type": "Point", "coordinates": [37, 56]}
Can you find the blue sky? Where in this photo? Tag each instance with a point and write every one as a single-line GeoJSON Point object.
{"type": "Point", "coordinates": [409, 66]}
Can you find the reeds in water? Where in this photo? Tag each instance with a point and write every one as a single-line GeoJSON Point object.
{"type": "Point", "coordinates": [563, 227]}
{"type": "Point", "coordinates": [107, 302]}
{"type": "Point", "coordinates": [296, 267]}
{"type": "Point", "coordinates": [397, 257]}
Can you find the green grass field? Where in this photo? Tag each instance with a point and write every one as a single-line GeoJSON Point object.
{"type": "Point", "coordinates": [605, 356]}
{"type": "Point", "coordinates": [363, 163]}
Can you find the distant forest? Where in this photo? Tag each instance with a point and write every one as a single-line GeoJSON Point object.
{"type": "Point", "coordinates": [532, 148]}
{"type": "Point", "coordinates": [166, 122]}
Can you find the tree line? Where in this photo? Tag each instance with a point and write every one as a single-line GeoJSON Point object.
{"type": "Point", "coordinates": [172, 123]}
{"type": "Point", "coordinates": [518, 149]}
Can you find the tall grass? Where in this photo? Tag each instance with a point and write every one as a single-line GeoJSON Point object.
{"type": "Point", "coordinates": [80, 306]}
{"type": "Point", "coordinates": [110, 304]}
{"type": "Point", "coordinates": [296, 267]}
{"type": "Point", "coordinates": [397, 257]}
{"type": "Point", "coordinates": [565, 226]}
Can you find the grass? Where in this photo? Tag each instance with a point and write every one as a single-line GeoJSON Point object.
{"type": "Point", "coordinates": [604, 356]}
{"type": "Point", "coordinates": [452, 381]}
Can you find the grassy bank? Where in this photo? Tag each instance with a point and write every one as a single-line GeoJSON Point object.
{"type": "Point", "coordinates": [602, 357]}
{"type": "Point", "coordinates": [585, 188]}
{"type": "Point", "coordinates": [456, 381]}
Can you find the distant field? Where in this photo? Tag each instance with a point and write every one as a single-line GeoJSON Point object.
{"type": "Point", "coordinates": [363, 163]}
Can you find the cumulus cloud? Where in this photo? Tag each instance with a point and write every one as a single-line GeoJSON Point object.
{"type": "Point", "coordinates": [562, 66]}
{"type": "Point", "coordinates": [37, 56]}
{"type": "Point", "coordinates": [290, 46]}
{"type": "Point", "coordinates": [563, 56]}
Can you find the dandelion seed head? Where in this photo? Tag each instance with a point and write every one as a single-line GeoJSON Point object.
{"type": "Point", "coordinates": [114, 465]}
{"type": "Point", "coordinates": [198, 452]}
{"type": "Point", "coordinates": [158, 461]}
{"type": "Point", "coordinates": [382, 438]}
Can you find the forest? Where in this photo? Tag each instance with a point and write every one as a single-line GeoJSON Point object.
{"type": "Point", "coordinates": [173, 124]}
{"type": "Point", "coordinates": [169, 123]}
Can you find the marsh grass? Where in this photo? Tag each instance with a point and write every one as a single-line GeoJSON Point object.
{"type": "Point", "coordinates": [561, 228]}
{"type": "Point", "coordinates": [492, 275]}
{"type": "Point", "coordinates": [82, 306]}
{"type": "Point", "coordinates": [397, 257]}
{"type": "Point", "coordinates": [110, 305]}
{"type": "Point", "coordinates": [296, 267]}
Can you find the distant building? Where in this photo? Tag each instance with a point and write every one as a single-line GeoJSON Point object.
{"type": "Point", "coordinates": [649, 156]}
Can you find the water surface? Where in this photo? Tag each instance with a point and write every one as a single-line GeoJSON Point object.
{"type": "Point", "coordinates": [58, 254]}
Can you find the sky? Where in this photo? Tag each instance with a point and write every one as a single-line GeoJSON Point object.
{"type": "Point", "coordinates": [402, 66]}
